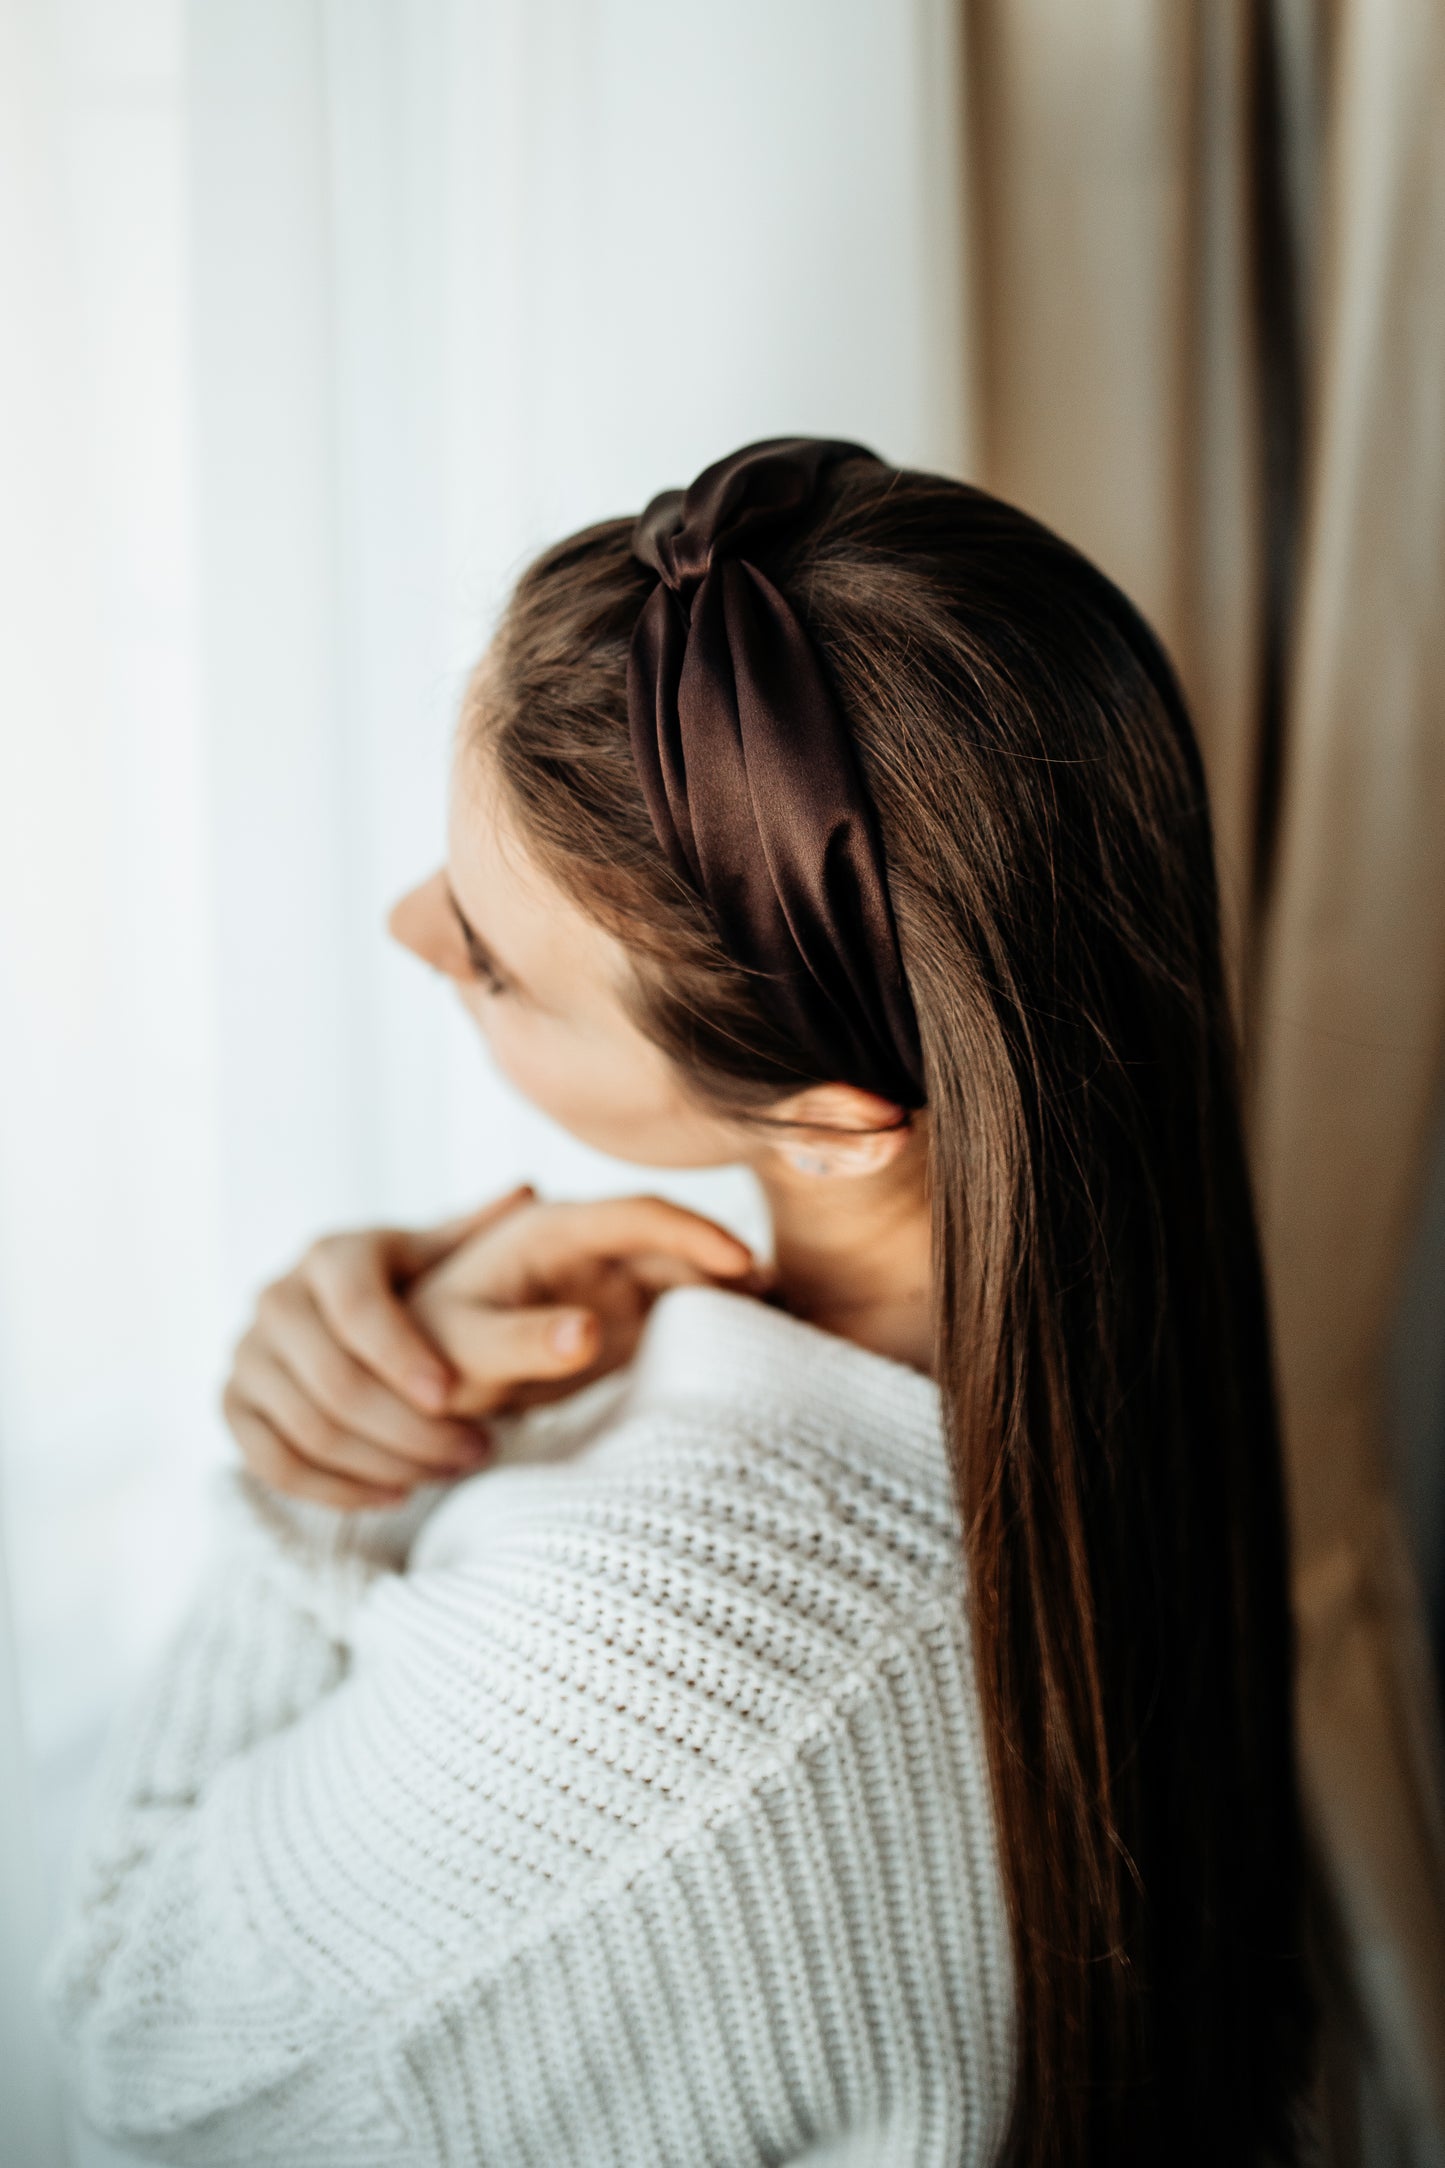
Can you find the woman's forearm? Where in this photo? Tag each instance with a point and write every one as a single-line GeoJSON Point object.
{"type": "Point", "coordinates": [266, 1638]}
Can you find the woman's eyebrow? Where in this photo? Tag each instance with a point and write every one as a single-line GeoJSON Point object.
{"type": "Point", "coordinates": [478, 948]}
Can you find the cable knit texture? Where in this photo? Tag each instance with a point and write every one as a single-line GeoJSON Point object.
{"type": "Point", "coordinates": [623, 1804]}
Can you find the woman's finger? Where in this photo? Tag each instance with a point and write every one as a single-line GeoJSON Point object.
{"type": "Point", "coordinates": [270, 1391]}
{"type": "Point", "coordinates": [519, 1258]}
{"type": "Point", "coordinates": [410, 1251]}
{"type": "Point", "coordinates": [270, 1458]}
{"type": "Point", "coordinates": [498, 1348]}
{"type": "Point", "coordinates": [657, 1270]}
{"type": "Point", "coordinates": [353, 1397]}
{"type": "Point", "coordinates": [349, 1280]}
{"type": "Point", "coordinates": [354, 1279]}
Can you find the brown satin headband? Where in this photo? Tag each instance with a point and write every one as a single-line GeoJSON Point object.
{"type": "Point", "coordinates": [750, 774]}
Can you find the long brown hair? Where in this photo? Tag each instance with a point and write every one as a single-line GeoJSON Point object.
{"type": "Point", "coordinates": [1102, 1344]}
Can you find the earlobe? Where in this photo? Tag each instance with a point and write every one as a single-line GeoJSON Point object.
{"type": "Point", "coordinates": [863, 1132]}
{"type": "Point", "coordinates": [861, 1151]}
{"type": "Point", "coordinates": [808, 1162]}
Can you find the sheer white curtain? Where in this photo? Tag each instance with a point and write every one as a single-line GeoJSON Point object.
{"type": "Point", "coordinates": [319, 318]}
{"type": "Point", "coordinates": [111, 1307]}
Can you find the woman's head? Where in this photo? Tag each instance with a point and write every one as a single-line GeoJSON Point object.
{"type": "Point", "coordinates": [556, 994]}
{"type": "Point", "coordinates": [1100, 1330]}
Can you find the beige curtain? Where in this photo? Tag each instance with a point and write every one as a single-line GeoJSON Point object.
{"type": "Point", "coordinates": [1206, 246]}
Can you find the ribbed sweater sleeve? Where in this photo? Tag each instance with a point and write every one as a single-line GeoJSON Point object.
{"type": "Point", "coordinates": [643, 1822]}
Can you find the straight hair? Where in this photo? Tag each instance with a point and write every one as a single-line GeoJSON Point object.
{"type": "Point", "coordinates": [1101, 1335]}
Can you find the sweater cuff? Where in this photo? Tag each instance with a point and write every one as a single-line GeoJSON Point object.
{"type": "Point", "coordinates": [320, 1558]}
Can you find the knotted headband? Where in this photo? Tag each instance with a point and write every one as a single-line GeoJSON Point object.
{"type": "Point", "coordinates": [750, 773]}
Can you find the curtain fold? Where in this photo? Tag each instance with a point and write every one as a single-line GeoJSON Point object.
{"type": "Point", "coordinates": [1209, 306]}
{"type": "Point", "coordinates": [1350, 1025]}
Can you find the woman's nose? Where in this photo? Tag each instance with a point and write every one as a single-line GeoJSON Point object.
{"type": "Point", "coordinates": [420, 921]}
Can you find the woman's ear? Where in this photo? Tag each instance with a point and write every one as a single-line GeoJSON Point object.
{"type": "Point", "coordinates": [842, 1130]}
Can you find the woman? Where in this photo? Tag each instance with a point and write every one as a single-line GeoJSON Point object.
{"type": "Point", "coordinates": [852, 1720]}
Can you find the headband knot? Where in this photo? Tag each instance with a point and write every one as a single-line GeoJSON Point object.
{"type": "Point", "coordinates": [751, 778]}
{"type": "Point", "coordinates": [732, 505]}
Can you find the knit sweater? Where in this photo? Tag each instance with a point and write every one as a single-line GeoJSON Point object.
{"type": "Point", "coordinates": [625, 1803]}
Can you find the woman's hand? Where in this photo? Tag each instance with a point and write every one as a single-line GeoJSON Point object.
{"type": "Point", "coordinates": [369, 1366]}
{"type": "Point", "coordinates": [553, 1295]}
{"type": "Point", "coordinates": [335, 1392]}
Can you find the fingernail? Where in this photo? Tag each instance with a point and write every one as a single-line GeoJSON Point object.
{"type": "Point", "coordinates": [569, 1334]}
{"type": "Point", "coordinates": [429, 1387]}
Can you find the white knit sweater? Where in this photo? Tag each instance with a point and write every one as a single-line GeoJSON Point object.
{"type": "Point", "coordinates": [623, 1804]}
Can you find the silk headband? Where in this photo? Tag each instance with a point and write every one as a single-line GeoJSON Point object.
{"type": "Point", "coordinates": [751, 777]}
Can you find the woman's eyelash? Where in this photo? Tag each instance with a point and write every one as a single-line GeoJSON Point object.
{"type": "Point", "coordinates": [479, 963]}
{"type": "Point", "coordinates": [481, 968]}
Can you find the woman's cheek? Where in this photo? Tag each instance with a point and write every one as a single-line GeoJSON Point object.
{"type": "Point", "coordinates": [583, 1087]}
{"type": "Point", "coordinates": [541, 1072]}
{"type": "Point", "coordinates": [506, 1046]}
{"type": "Point", "coordinates": [605, 1095]}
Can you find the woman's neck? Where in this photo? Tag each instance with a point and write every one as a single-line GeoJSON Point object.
{"type": "Point", "coordinates": [854, 1256]}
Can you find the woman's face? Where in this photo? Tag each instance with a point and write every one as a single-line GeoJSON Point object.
{"type": "Point", "coordinates": [542, 981]}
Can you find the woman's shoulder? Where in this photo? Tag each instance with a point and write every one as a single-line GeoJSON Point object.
{"type": "Point", "coordinates": [754, 1505]}
{"type": "Point", "coordinates": [737, 1433]}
